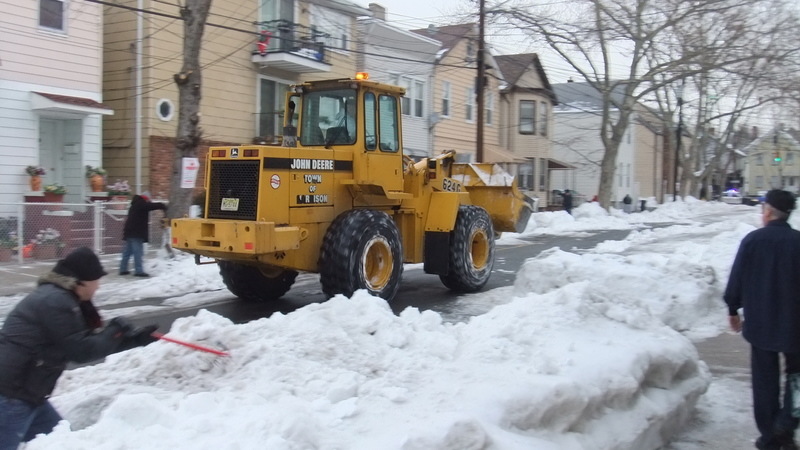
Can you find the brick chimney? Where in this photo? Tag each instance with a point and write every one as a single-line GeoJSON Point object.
{"type": "Point", "coordinates": [378, 11]}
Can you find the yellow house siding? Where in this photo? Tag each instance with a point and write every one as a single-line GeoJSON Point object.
{"type": "Point", "coordinates": [230, 80]}
{"type": "Point", "coordinates": [648, 167]}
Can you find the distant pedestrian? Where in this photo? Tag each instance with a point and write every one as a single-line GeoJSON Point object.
{"type": "Point", "coordinates": [55, 324]}
{"type": "Point", "coordinates": [136, 233]}
{"type": "Point", "coordinates": [567, 201]}
{"type": "Point", "coordinates": [764, 282]}
{"type": "Point", "coordinates": [627, 203]}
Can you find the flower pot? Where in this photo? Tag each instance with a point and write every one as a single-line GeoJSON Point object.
{"type": "Point", "coordinates": [97, 183]}
{"type": "Point", "coordinates": [119, 202]}
{"type": "Point", "coordinates": [6, 254]}
{"type": "Point", "coordinates": [36, 183]}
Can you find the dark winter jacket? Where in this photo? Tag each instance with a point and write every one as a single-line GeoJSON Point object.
{"type": "Point", "coordinates": [567, 200]}
{"type": "Point", "coordinates": [138, 217]}
{"type": "Point", "coordinates": [765, 282]}
{"type": "Point", "coordinates": [42, 333]}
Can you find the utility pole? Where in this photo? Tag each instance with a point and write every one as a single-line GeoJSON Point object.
{"type": "Point", "coordinates": [678, 138]}
{"type": "Point", "coordinates": [480, 84]}
{"type": "Point", "coordinates": [189, 81]}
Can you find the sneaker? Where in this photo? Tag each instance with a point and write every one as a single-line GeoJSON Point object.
{"type": "Point", "coordinates": [124, 272]}
{"type": "Point", "coordinates": [143, 274]}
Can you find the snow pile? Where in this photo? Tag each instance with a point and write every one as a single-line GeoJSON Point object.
{"type": "Point", "coordinates": [545, 371]}
{"type": "Point", "coordinates": [585, 351]}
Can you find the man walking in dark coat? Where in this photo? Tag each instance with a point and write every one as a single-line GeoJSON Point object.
{"type": "Point", "coordinates": [765, 283]}
{"type": "Point", "coordinates": [567, 201]}
{"type": "Point", "coordinates": [136, 233]}
{"type": "Point", "coordinates": [55, 324]}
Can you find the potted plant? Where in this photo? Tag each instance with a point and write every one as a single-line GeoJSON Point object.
{"type": "Point", "coordinates": [8, 244]}
{"type": "Point", "coordinates": [96, 176]}
{"type": "Point", "coordinates": [47, 244]}
{"type": "Point", "coordinates": [54, 193]}
{"type": "Point", "coordinates": [35, 173]}
{"type": "Point", "coordinates": [119, 193]}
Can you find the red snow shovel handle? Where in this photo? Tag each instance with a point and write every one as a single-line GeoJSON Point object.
{"type": "Point", "coordinates": [161, 336]}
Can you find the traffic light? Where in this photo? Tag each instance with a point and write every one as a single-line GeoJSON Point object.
{"type": "Point", "coordinates": [776, 157]}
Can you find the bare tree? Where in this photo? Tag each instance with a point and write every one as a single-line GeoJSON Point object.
{"type": "Point", "coordinates": [641, 48]}
{"type": "Point", "coordinates": [189, 81]}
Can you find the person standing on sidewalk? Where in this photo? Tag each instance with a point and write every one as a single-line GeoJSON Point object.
{"type": "Point", "coordinates": [55, 324]}
{"type": "Point", "coordinates": [136, 233]}
{"type": "Point", "coordinates": [765, 283]}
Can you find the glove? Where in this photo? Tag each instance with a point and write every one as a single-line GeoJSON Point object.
{"type": "Point", "coordinates": [142, 336]}
{"type": "Point", "coordinates": [119, 326]}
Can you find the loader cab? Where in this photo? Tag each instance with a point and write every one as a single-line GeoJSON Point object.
{"type": "Point", "coordinates": [360, 115]}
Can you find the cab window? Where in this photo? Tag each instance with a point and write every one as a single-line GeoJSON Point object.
{"type": "Point", "coordinates": [370, 121]}
{"type": "Point", "coordinates": [387, 114]}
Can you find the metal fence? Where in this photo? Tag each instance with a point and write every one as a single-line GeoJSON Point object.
{"type": "Point", "coordinates": [48, 231]}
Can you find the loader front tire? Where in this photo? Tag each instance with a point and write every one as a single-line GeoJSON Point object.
{"type": "Point", "coordinates": [471, 250]}
{"type": "Point", "coordinates": [251, 284]}
{"type": "Point", "coordinates": [361, 250]}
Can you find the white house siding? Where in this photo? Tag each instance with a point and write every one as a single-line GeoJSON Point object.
{"type": "Point", "coordinates": [576, 141]}
{"type": "Point", "coordinates": [64, 63]}
{"type": "Point", "coordinates": [408, 56]}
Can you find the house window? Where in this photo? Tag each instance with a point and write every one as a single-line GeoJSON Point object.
{"type": "Point", "coordinates": [419, 104]}
{"type": "Point", "coordinates": [51, 14]}
{"type": "Point", "coordinates": [544, 121]}
{"type": "Point", "coordinates": [489, 107]}
{"type": "Point", "coordinates": [759, 182]}
{"type": "Point", "coordinates": [333, 26]}
{"type": "Point", "coordinates": [270, 108]}
{"type": "Point", "coordinates": [469, 105]}
{"type": "Point", "coordinates": [413, 102]}
{"type": "Point", "coordinates": [759, 160]}
{"type": "Point", "coordinates": [628, 176]}
{"type": "Point", "coordinates": [165, 109]}
{"type": "Point", "coordinates": [527, 117]}
{"type": "Point", "coordinates": [525, 175]}
{"type": "Point", "coordinates": [445, 98]}
{"type": "Point", "coordinates": [542, 175]}
{"type": "Point", "coordinates": [789, 159]}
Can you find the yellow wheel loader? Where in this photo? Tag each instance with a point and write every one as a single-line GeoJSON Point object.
{"type": "Point", "coordinates": [339, 198]}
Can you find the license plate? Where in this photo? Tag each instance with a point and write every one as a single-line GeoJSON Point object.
{"type": "Point", "coordinates": [229, 204]}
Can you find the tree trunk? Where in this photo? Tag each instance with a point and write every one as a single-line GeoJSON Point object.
{"type": "Point", "coordinates": [189, 83]}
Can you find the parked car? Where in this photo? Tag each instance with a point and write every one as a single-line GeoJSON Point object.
{"type": "Point", "coordinates": [732, 197]}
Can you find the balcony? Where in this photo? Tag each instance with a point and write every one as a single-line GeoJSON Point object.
{"type": "Point", "coordinates": [291, 47]}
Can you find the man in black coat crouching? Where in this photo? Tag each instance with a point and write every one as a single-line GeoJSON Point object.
{"type": "Point", "coordinates": [55, 324]}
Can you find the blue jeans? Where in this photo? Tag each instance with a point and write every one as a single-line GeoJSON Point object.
{"type": "Point", "coordinates": [133, 247]}
{"type": "Point", "coordinates": [20, 421]}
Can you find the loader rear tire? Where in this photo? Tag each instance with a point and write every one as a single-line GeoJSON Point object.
{"type": "Point", "coordinates": [471, 250]}
{"type": "Point", "coordinates": [251, 284]}
{"type": "Point", "coordinates": [361, 250]}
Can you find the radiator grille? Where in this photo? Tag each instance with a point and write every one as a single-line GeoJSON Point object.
{"type": "Point", "coordinates": [234, 179]}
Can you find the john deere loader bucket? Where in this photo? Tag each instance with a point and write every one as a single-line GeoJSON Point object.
{"type": "Point", "coordinates": [495, 190]}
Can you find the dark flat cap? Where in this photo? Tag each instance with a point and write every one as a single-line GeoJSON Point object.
{"type": "Point", "coordinates": [781, 200]}
{"type": "Point", "coordinates": [81, 263]}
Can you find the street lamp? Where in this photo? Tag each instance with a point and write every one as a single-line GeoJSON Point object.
{"type": "Point", "coordinates": [678, 136]}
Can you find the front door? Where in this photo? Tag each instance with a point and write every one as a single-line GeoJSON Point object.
{"type": "Point", "coordinates": [51, 155]}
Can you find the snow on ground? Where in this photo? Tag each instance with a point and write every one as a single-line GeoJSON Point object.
{"type": "Point", "coordinates": [585, 351]}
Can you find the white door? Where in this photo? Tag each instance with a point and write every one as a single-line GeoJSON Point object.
{"type": "Point", "coordinates": [51, 154]}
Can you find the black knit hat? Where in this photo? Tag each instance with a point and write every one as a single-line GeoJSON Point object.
{"type": "Point", "coordinates": [781, 200]}
{"type": "Point", "coordinates": [82, 264]}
